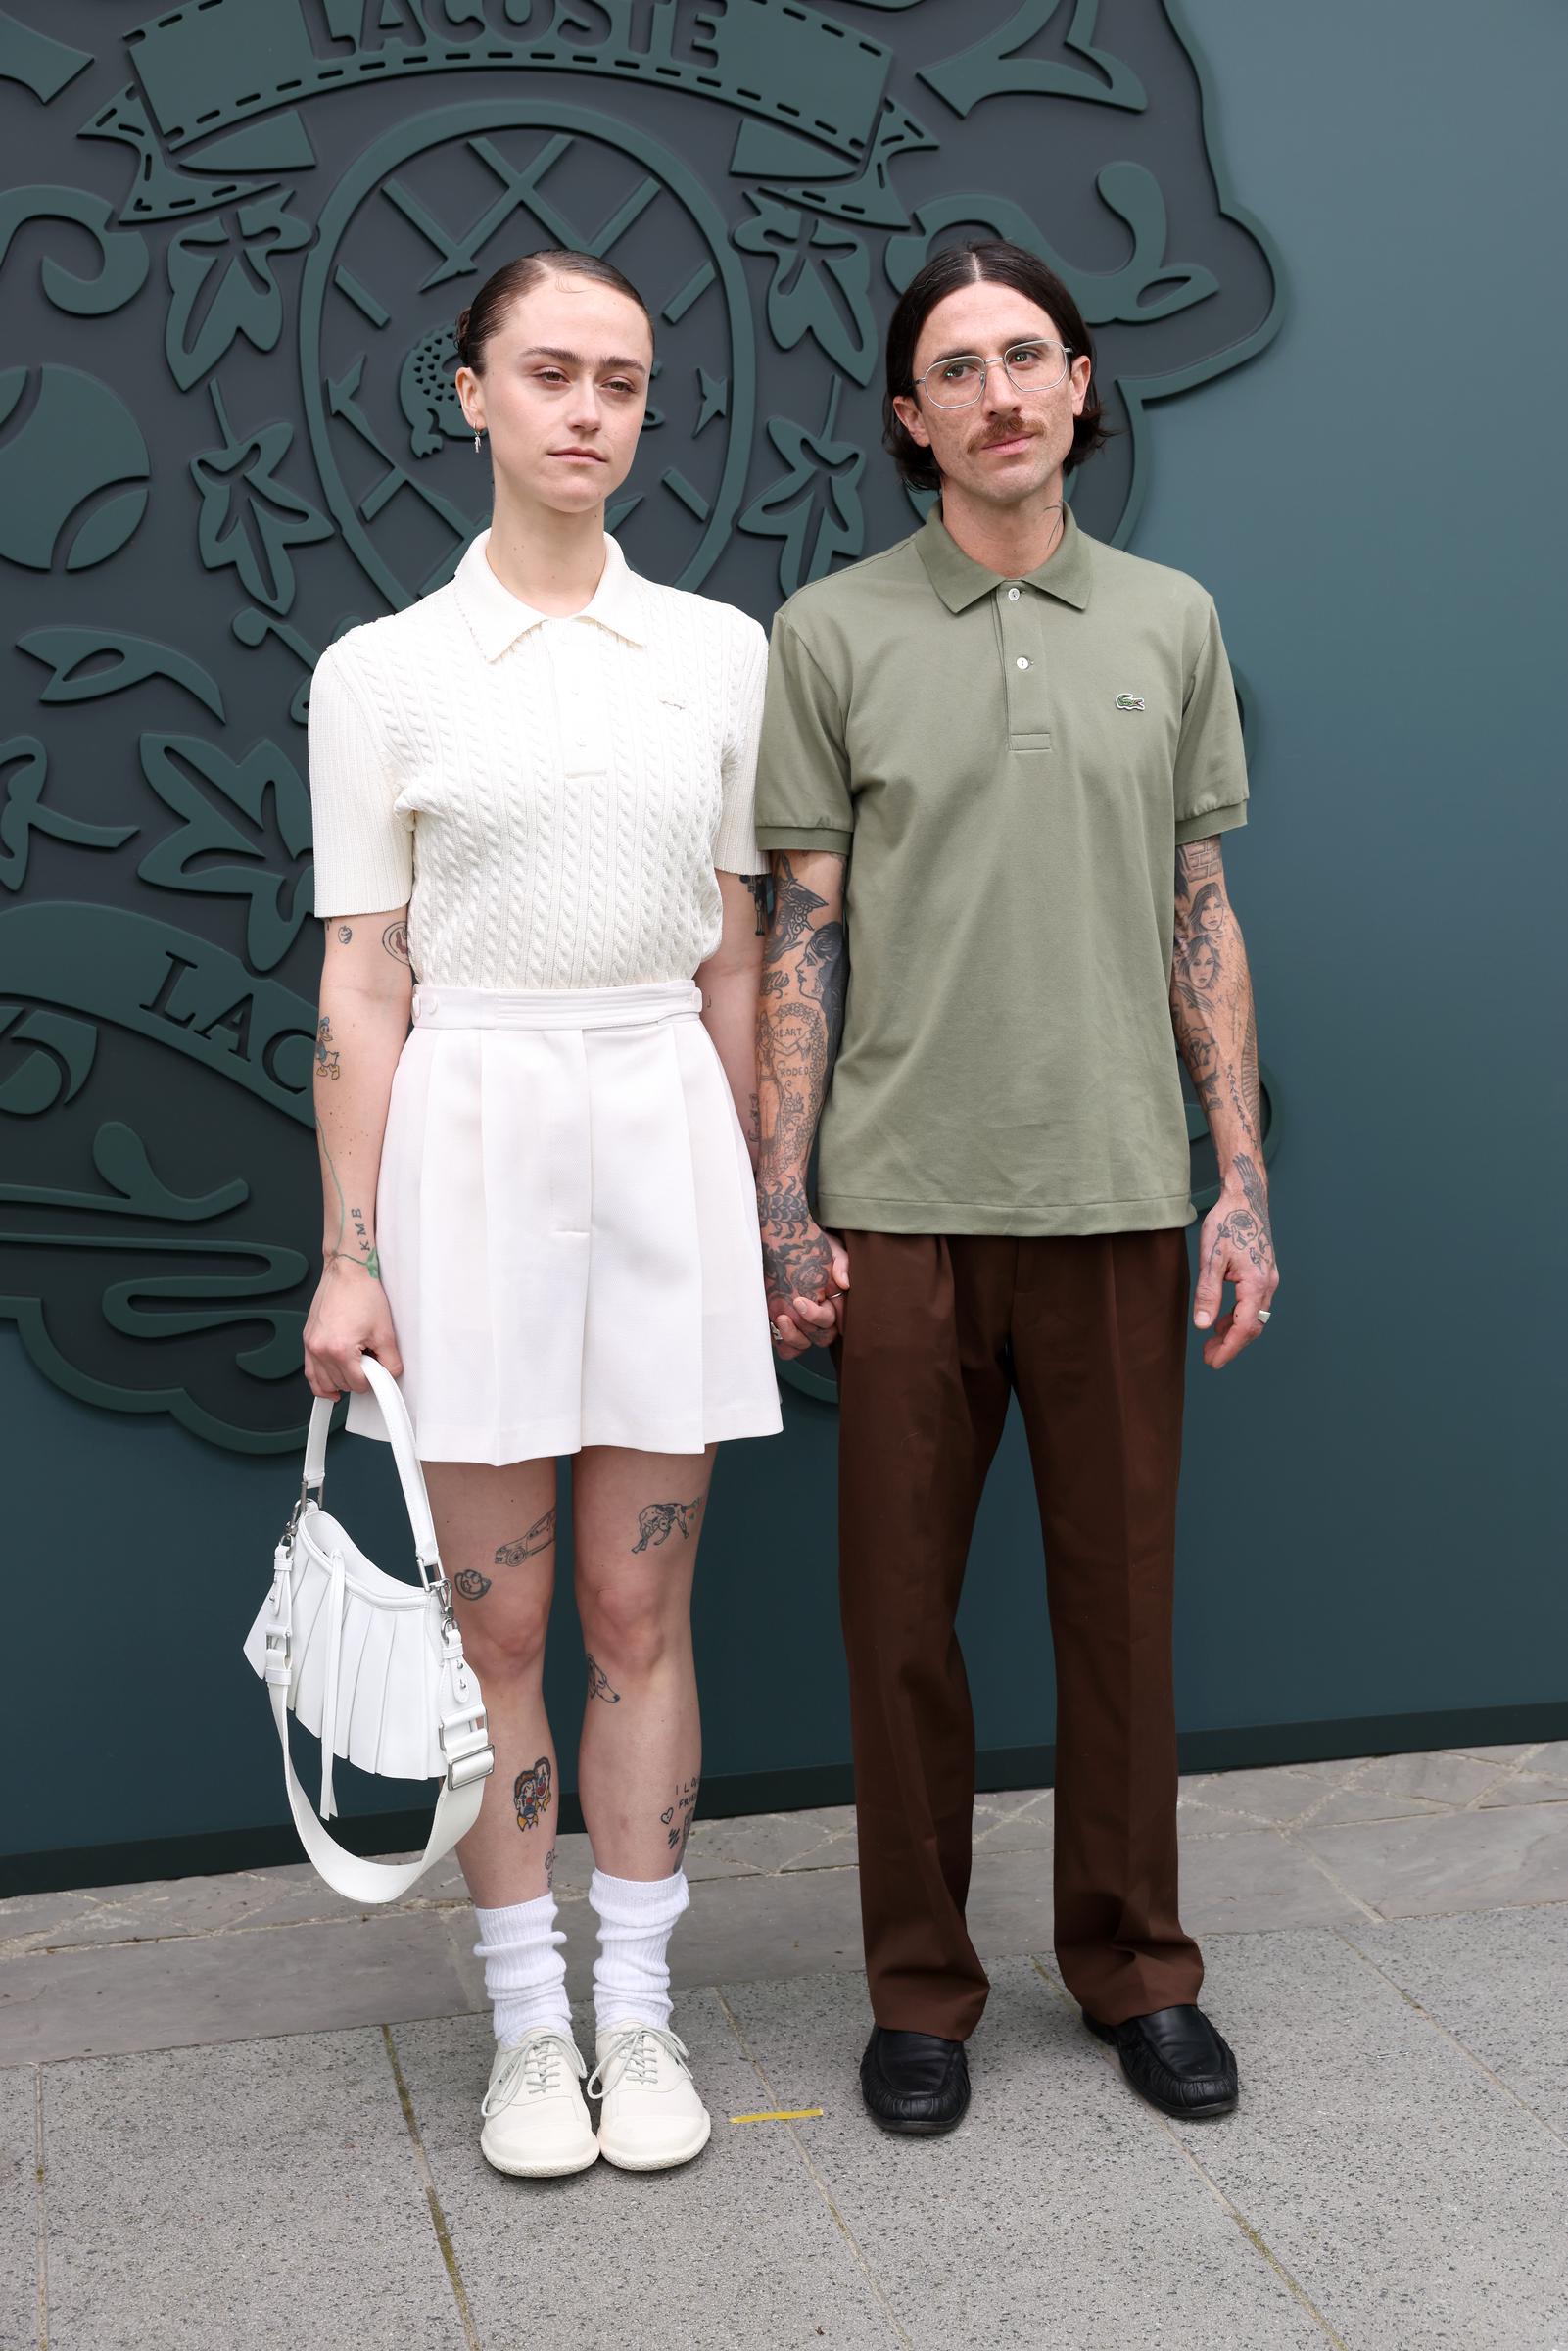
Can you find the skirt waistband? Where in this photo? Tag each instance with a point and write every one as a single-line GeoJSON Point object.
{"type": "Point", "coordinates": [637, 1007]}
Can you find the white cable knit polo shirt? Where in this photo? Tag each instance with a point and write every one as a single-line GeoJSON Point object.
{"type": "Point", "coordinates": [551, 799]}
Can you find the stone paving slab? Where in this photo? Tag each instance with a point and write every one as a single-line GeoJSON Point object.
{"type": "Point", "coordinates": [18, 2209]}
{"type": "Point", "coordinates": [1527, 1787]}
{"type": "Point", "coordinates": [738, 2249]}
{"type": "Point", "coordinates": [1253, 1879]}
{"type": "Point", "coordinates": [1060, 2216]}
{"type": "Point", "coordinates": [1469, 1860]}
{"type": "Point", "coordinates": [263, 2195]}
{"type": "Point", "coordinates": [1411, 2197]}
{"type": "Point", "coordinates": [1498, 1979]}
{"type": "Point", "coordinates": [224, 1987]}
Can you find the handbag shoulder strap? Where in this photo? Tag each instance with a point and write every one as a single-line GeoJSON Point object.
{"type": "Point", "coordinates": [351, 1874]}
{"type": "Point", "coordinates": [410, 1477]}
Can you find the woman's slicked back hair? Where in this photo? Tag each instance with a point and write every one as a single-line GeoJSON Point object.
{"type": "Point", "coordinates": [484, 314]}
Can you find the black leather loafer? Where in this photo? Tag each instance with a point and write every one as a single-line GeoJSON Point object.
{"type": "Point", "coordinates": [914, 2083]}
{"type": "Point", "coordinates": [1176, 2059]}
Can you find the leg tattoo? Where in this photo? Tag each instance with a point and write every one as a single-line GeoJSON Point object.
{"type": "Point", "coordinates": [530, 1794]}
{"type": "Point", "coordinates": [659, 1521]}
{"type": "Point", "coordinates": [599, 1684]}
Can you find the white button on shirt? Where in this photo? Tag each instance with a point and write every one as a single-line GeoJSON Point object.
{"type": "Point", "coordinates": [551, 797]}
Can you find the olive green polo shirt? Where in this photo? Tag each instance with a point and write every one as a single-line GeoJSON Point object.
{"type": "Point", "coordinates": [1008, 765]}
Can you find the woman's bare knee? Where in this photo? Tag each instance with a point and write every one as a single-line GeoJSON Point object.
{"type": "Point", "coordinates": [628, 1628]}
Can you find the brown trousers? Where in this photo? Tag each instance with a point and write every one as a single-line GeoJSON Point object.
{"type": "Point", "coordinates": [1091, 1332]}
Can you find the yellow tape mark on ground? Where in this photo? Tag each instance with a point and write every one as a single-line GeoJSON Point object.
{"type": "Point", "coordinates": [781, 2114]}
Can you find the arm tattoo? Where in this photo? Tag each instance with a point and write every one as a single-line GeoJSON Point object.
{"type": "Point", "coordinates": [660, 1520]}
{"type": "Point", "coordinates": [371, 1261]}
{"type": "Point", "coordinates": [1212, 1001]}
{"type": "Point", "coordinates": [470, 1583]}
{"type": "Point", "coordinates": [326, 1060]}
{"type": "Point", "coordinates": [1246, 1229]}
{"type": "Point", "coordinates": [761, 891]}
{"type": "Point", "coordinates": [530, 1794]}
{"type": "Point", "coordinates": [539, 1536]}
{"type": "Point", "coordinates": [794, 906]}
{"type": "Point", "coordinates": [344, 934]}
{"type": "Point", "coordinates": [800, 1022]}
{"type": "Point", "coordinates": [1198, 861]}
{"type": "Point", "coordinates": [394, 938]}
{"type": "Point", "coordinates": [598, 1683]}
{"type": "Point", "coordinates": [825, 978]}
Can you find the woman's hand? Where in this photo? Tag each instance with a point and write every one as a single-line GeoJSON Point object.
{"type": "Point", "coordinates": [349, 1317]}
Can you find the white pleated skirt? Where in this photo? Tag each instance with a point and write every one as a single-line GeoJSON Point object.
{"type": "Point", "coordinates": [567, 1228]}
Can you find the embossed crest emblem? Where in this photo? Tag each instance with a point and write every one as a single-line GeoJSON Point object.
{"type": "Point", "coordinates": [229, 432]}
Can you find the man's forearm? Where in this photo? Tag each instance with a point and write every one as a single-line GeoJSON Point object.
{"type": "Point", "coordinates": [1216, 1029]}
{"type": "Point", "coordinates": [799, 1019]}
{"type": "Point", "coordinates": [1212, 1006]}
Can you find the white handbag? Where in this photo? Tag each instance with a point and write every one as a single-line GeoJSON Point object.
{"type": "Point", "coordinates": [373, 1665]}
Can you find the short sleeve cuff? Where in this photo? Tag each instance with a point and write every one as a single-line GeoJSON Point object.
{"type": "Point", "coordinates": [831, 838]}
{"type": "Point", "coordinates": [1212, 820]}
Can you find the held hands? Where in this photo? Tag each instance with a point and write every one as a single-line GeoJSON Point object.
{"type": "Point", "coordinates": [1236, 1246]}
{"type": "Point", "coordinates": [349, 1317]}
{"type": "Point", "coordinates": [806, 1271]}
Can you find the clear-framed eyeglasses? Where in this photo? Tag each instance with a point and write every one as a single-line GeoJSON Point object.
{"type": "Point", "coordinates": [1031, 367]}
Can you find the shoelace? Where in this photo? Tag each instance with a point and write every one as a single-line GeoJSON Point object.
{"type": "Point", "coordinates": [635, 2055]}
{"type": "Point", "coordinates": [533, 2066]}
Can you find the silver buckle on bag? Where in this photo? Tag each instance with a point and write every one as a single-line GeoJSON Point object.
{"type": "Point", "coordinates": [293, 1527]}
{"type": "Point", "coordinates": [469, 1755]}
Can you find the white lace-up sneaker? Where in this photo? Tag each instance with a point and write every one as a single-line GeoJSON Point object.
{"type": "Point", "coordinates": [536, 2123]}
{"type": "Point", "coordinates": [651, 2118]}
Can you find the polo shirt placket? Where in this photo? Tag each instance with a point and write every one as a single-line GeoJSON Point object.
{"type": "Point", "coordinates": [1025, 673]}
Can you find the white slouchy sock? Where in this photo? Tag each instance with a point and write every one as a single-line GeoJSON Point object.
{"type": "Point", "coordinates": [636, 1919]}
{"type": "Point", "coordinates": [525, 1975]}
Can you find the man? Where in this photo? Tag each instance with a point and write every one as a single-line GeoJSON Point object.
{"type": "Point", "coordinates": [985, 751]}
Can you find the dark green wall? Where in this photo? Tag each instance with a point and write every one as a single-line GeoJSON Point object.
{"type": "Point", "coordinates": [1359, 465]}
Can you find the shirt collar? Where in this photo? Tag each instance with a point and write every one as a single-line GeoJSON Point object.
{"type": "Point", "coordinates": [961, 582]}
{"type": "Point", "coordinates": [498, 618]}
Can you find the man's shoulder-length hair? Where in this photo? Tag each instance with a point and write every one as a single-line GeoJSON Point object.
{"type": "Point", "coordinates": [994, 262]}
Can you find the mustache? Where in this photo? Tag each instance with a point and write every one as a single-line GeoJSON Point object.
{"type": "Point", "coordinates": [1013, 432]}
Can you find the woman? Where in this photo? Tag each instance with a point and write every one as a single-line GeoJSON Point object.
{"type": "Point", "coordinates": [533, 796]}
